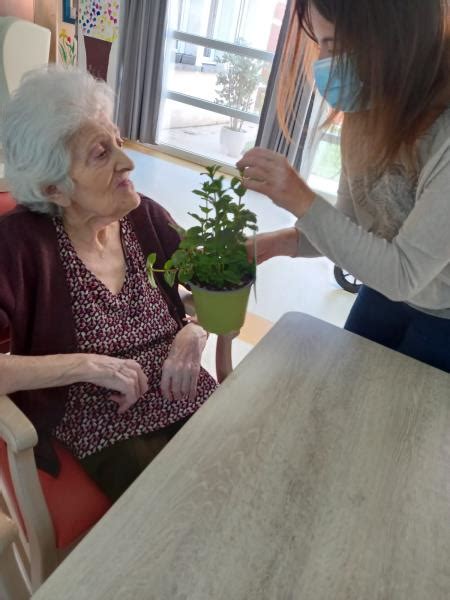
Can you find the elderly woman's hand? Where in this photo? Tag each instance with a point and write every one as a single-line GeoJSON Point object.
{"type": "Point", "coordinates": [125, 377]}
{"type": "Point", "coordinates": [182, 367]}
{"type": "Point", "coordinates": [271, 174]}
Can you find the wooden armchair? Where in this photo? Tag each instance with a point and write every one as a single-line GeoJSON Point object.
{"type": "Point", "coordinates": [12, 584]}
{"type": "Point", "coordinates": [53, 514]}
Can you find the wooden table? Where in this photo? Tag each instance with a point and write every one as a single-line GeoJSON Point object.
{"type": "Point", "coordinates": [320, 470]}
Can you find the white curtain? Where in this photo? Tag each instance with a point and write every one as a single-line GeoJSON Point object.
{"type": "Point", "coordinates": [140, 67]}
{"type": "Point", "coordinates": [299, 149]}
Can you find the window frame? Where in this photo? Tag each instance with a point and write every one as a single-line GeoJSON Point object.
{"type": "Point", "coordinates": [249, 52]}
{"type": "Point", "coordinates": [215, 44]}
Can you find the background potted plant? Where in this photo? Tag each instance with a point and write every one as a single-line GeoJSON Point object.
{"type": "Point", "coordinates": [212, 257]}
{"type": "Point", "coordinates": [235, 88]}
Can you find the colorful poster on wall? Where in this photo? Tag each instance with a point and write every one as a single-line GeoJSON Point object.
{"type": "Point", "coordinates": [67, 48]}
{"type": "Point", "coordinates": [99, 19]}
{"type": "Point", "coordinates": [99, 24]}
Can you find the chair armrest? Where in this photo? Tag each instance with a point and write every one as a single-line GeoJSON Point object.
{"type": "Point", "coordinates": [15, 428]}
{"type": "Point", "coordinates": [224, 363]}
{"type": "Point", "coordinates": [12, 584]}
{"type": "Point", "coordinates": [8, 532]}
{"type": "Point", "coordinates": [25, 500]}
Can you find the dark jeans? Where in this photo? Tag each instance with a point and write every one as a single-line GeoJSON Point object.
{"type": "Point", "coordinates": [116, 467]}
{"type": "Point", "coordinates": [402, 328]}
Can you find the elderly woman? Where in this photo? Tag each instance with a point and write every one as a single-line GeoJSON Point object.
{"type": "Point", "coordinates": [99, 360]}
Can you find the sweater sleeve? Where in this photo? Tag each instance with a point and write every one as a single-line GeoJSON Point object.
{"type": "Point", "coordinates": [4, 319]}
{"type": "Point", "coordinates": [168, 231]}
{"type": "Point", "coordinates": [7, 297]}
{"type": "Point", "coordinates": [154, 228]}
{"type": "Point", "coordinates": [399, 269]}
{"type": "Point", "coordinates": [344, 204]}
{"type": "Point", "coordinates": [152, 217]}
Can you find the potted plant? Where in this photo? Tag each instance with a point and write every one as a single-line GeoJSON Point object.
{"type": "Point", "coordinates": [212, 258]}
{"type": "Point", "coordinates": [235, 88]}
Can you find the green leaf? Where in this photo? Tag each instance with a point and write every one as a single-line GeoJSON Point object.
{"type": "Point", "coordinates": [178, 258]}
{"type": "Point", "coordinates": [151, 259]}
{"type": "Point", "coordinates": [197, 217]}
{"type": "Point", "coordinates": [184, 275]}
{"type": "Point", "coordinates": [196, 230]}
{"type": "Point", "coordinates": [216, 185]}
{"type": "Point", "coordinates": [211, 171]}
{"type": "Point", "coordinates": [240, 191]}
{"type": "Point", "coordinates": [192, 240]}
{"type": "Point", "coordinates": [151, 277]}
{"type": "Point", "coordinates": [232, 277]}
{"type": "Point", "coordinates": [185, 244]}
{"type": "Point", "coordinates": [169, 277]}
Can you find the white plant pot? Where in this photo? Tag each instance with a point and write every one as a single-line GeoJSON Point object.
{"type": "Point", "coordinates": [232, 142]}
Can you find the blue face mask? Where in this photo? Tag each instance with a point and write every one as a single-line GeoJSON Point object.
{"type": "Point", "coordinates": [339, 85]}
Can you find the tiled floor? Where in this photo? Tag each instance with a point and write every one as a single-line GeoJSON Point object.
{"type": "Point", "coordinates": [283, 284]}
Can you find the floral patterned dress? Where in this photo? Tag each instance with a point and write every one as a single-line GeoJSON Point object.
{"type": "Point", "coordinates": [133, 324]}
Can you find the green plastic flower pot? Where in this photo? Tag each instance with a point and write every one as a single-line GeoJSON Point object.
{"type": "Point", "coordinates": [221, 311]}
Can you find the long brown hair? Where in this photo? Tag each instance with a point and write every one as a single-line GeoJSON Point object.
{"type": "Point", "coordinates": [401, 53]}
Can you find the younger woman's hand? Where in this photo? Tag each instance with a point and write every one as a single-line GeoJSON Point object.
{"type": "Point", "coordinates": [182, 367]}
{"type": "Point", "coordinates": [283, 242]}
{"type": "Point", "coordinates": [271, 174]}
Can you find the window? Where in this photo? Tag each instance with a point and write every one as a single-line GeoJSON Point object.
{"type": "Point", "coordinates": [326, 164]}
{"type": "Point", "coordinates": [219, 56]}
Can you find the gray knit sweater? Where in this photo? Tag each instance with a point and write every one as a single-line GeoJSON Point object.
{"type": "Point", "coordinates": [392, 233]}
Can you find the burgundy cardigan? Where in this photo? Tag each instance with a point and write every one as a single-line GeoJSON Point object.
{"type": "Point", "coordinates": [35, 301]}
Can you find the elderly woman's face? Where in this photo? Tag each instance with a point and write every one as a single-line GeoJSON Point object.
{"type": "Point", "coordinates": [100, 171]}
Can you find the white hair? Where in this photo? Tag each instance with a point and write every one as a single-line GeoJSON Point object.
{"type": "Point", "coordinates": [37, 123]}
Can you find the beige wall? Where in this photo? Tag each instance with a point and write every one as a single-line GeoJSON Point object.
{"type": "Point", "coordinates": [43, 12]}
{"type": "Point", "coordinates": [22, 9]}
{"type": "Point", "coordinates": [46, 14]}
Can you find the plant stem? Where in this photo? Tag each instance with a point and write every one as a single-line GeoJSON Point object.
{"type": "Point", "coordinates": [174, 270]}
